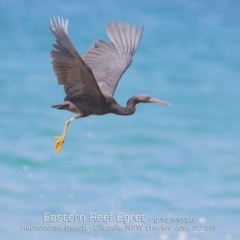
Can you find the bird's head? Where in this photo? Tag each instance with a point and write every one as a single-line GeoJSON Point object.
{"type": "Point", "coordinates": [145, 98]}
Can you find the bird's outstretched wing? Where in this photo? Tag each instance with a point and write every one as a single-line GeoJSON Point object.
{"type": "Point", "coordinates": [109, 61]}
{"type": "Point", "coordinates": [70, 69]}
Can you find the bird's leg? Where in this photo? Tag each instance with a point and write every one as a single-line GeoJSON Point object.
{"type": "Point", "coordinates": [60, 140]}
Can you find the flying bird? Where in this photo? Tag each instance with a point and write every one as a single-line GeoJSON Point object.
{"type": "Point", "coordinates": [90, 80]}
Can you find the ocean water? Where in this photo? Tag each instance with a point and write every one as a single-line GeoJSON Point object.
{"type": "Point", "coordinates": [160, 163]}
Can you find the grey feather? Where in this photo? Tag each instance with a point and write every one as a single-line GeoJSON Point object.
{"type": "Point", "coordinates": [70, 69]}
{"type": "Point", "coordinates": [108, 61]}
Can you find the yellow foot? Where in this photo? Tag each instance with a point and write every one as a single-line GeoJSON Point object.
{"type": "Point", "coordinates": [59, 143]}
{"type": "Point", "coordinates": [60, 140]}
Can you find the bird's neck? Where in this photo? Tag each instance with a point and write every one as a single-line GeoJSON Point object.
{"type": "Point", "coordinates": [128, 110]}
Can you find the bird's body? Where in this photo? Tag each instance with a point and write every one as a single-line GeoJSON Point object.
{"type": "Point", "coordinates": [90, 80]}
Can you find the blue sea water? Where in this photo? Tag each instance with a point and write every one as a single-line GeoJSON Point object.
{"type": "Point", "coordinates": [177, 161]}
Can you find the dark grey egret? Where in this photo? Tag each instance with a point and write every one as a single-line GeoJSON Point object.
{"type": "Point", "coordinates": [90, 80]}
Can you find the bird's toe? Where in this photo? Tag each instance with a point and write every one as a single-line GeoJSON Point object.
{"type": "Point", "coordinates": [59, 143]}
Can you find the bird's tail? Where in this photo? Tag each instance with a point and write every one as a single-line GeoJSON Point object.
{"type": "Point", "coordinates": [61, 106]}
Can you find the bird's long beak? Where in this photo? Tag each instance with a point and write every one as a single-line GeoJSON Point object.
{"type": "Point", "coordinates": [155, 100]}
